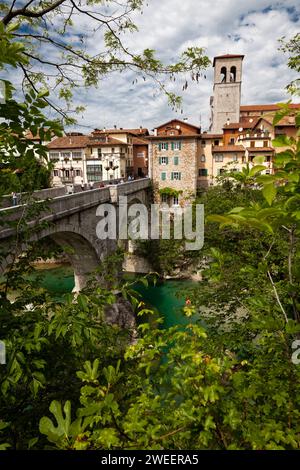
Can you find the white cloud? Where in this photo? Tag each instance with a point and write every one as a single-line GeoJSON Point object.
{"type": "Point", "coordinates": [169, 26]}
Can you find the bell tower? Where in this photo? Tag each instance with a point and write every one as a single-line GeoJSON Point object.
{"type": "Point", "coordinates": [226, 100]}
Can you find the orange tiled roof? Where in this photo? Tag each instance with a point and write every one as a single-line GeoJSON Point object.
{"type": "Point", "coordinates": [242, 124]}
{"type": "Point", "coordinates": [266, 107]}
{"type": "Point", "coordinates": [69, 142]}
{"type": "Point", "coordinates": [92, 142]}
{"type": "Point", "coordinates": [139, 131]}
{"type": "Point", "coordinates": [260, 149]}
{"type": "Point", "coordinates": [139, 141]}
{"type": "Point", "coordinates": [211, 136]}
{"type": "Point", "coordinates": [228, 148]}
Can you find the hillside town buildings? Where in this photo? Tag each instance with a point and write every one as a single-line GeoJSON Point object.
{"type": "Point", "coordinates": [178, 156]}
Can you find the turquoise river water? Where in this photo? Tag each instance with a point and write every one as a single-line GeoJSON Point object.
{"type": "Point", "coordinates": [167, 297]}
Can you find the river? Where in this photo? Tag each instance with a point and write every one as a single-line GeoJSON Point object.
{"type": "Point", "coordinates": [167, 297]}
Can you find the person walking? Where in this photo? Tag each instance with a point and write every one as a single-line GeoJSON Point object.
{"type": "Point", "coordinates": [14, 198]}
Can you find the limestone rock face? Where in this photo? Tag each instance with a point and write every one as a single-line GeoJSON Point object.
{"type": "Point", "coordinates": [121, 313]}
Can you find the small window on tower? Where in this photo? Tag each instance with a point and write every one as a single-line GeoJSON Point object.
{"type": "Point", "coordinates": [223, 74]}
{"type": "Point", "coordinates": [233, 74]}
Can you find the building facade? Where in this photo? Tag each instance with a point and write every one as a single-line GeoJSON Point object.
{"type": "Point", "coordinates": [105, 154]}
{"type": "Point", "coordinates": [173, 157]}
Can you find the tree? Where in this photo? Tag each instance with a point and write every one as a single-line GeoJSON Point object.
{"type": "Point", "coordinates": [38, 26]}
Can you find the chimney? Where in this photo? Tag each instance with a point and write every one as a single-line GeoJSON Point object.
{"type": "Point", "coordinates": [115, 126]}
{"type": "Point", "coordinates": [155, 132]}
{"type": "Point", "coordinates": [141, 128]}
{"type": "Point", "coordinates": [228, 121]}
{"type": "Point", "coordinates": [104, 129]}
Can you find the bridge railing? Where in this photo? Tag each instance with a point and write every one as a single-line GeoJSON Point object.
{"type": "Point", "coordinates": [62, 206]}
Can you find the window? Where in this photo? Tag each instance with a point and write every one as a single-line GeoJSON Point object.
{"type": "Point", "coordinates": [266, 143]}
{"type": "Point", "coordinates": [216, 142]}
{"type": "Point", "coordinates": [77, 155]}
{"type": "Point", "coordinates": [113, 150]}
{"type": "Point", "coordinates": [233, 74]}
{"type": "Point", "coordinates": [203, 143]}
{"type": "Point", "coordinates": [54, 155]}
{"type": "Point", "coordinates": [231, 142]}
{"type": "Point", "coordinates": [78, 172]}
{"type": "Point", "coordinates": [67, 173]}
{"type": "Point", "coordinates": [176, 160]}
{"type": "Point", "coordinates": [176, 145]}
{"type": "Point", "coordinates": [163, 146]}
{"type": "Point", "coordinates": [252, 143]}
{"type": "Point", "coordinates": [203, 158]}
{"type": "Point", "coordinates": [163, 160]}
{"type": "Point", "coordinates": [66, 154]}
{"type": "Point", "coordinates": [100, 153]}
{"type": "Point", "coordinates": [55, 173]}
{"type": "Point", "coordinates": [218, 157]}
{"type": "Point", "coordinates": [140, 154]}
{"type": "Point", "coordinates": [94, 172]}
{"type": "Point", "coordinates": [223, 74]}
{"type": "Point", "coordinates": [176, 175]}
{"type": "Point", "coordinates": [163, 176]}
{"type": "Point", "coordinates": [243, 159]}
{"type": "Point", "coordinates": [235, 157]}
{"type": "Point", "coordinates": [267, 158]}
{"type": "Point", "coordinates": [203, 172]}
{"type": "Point", "coordinates": [175, 201]}
{"type": "Point", "coordinates": [221, 171]}
{"type": "Point", "coordinates": [164, 198]}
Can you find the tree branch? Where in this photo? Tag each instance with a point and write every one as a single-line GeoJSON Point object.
{"type": "Point", "coordinates": [30, 13]}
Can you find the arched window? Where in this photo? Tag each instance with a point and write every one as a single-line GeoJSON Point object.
{"type": "Point", "coordinates": [223, 74]}
{"type": "Point", "coordinates": [233, 74]}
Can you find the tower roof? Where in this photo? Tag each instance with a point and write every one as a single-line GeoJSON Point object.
{"type": "Point", "coordinates": [228, 56]}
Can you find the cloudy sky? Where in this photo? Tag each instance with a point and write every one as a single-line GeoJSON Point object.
{"type": "Point", "coordinates": [221, 26]}
{"type": "Point", "coordinates": [250, 27]}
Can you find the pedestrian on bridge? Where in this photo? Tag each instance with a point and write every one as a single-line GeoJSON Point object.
{"type": "Point", "coordinates": [14, 198]}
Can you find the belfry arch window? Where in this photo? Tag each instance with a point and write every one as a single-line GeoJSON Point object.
{"type": "Point", "coordinates": [233, 74]}
{"type": "Point", "coordinates": [223, 74]}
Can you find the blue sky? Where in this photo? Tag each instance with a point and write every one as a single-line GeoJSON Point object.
{"type": "Point", "coordinates": [170, 26]}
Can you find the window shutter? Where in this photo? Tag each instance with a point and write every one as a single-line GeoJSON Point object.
{"type": "Point", "coordinates": [167, 146]}
{"type": "Point", "coordinates": [167, 160]}
{"type": "Point", "coordinates": [172, 144]}
{"type": "Point", "coordinates": [179, 176]}
{"type": "Point", "coordinates": [159, 158]}
{"type": "Point", "coordinates": [175, 160]}
{"type": "Point", "coordinates": [179, 145]}
{"type": "Point", "coordinates": [159, 147]}
{"type": "Point", "coordinates": [172, 175]}
{"type": "Point", "coordinates": [163, 176]}
{"type": "Point", "coordinates": [205, 172]}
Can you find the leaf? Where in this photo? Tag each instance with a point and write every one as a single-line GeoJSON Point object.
{"type": "Point", "coordinates": [269, 192]}
{"type": "Point", "coordinates": [259, 159]}
{"type": "Point", "coordinates": [55, 433]}
{"type": "Point", "coordinates": [256, 169]}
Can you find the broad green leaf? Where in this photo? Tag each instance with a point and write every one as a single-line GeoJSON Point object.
{"type": "Point", "coordinates": [269, 192]}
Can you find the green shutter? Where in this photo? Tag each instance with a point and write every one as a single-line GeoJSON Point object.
{"type": "Point", "coordinates": [176, 161]}
{"type": "Point", "coordinates": [179, 145]}
{"type": "Point", "coordinates": [172, 175]}
{"type": "Point", "coordinates": [163, 176]}
{"type": "Point", "coordinates": [159, 159]}
{"type": "Point", "coordinates": [167, 160]}
{"type": "Point", "coordinates": [159, 147]}
{"type": "Point", "coordinates": [179, 176]}
{"type": "Point", "coordinates": [172, 144]}
{"type": "Point", "coordinates": [167, 146]}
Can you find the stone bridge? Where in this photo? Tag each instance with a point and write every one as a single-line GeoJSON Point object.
{"type": "Point", "coordinates": [70, 220]}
